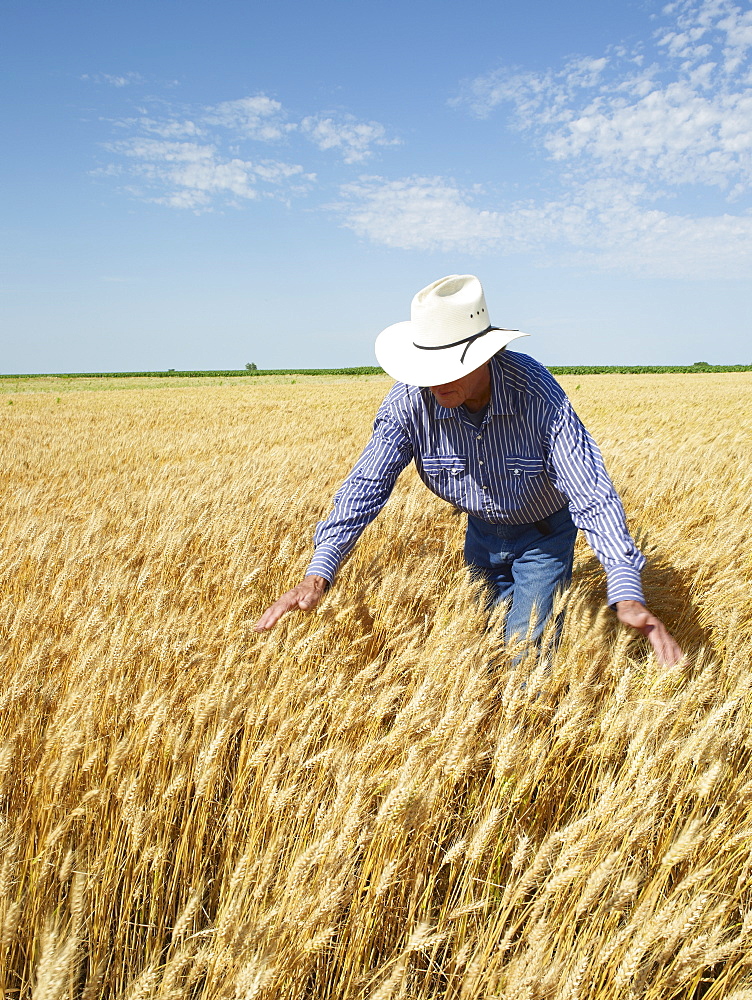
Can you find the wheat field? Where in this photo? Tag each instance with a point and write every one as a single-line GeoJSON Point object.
{"type": "Point", "coordinates": [351, 805]}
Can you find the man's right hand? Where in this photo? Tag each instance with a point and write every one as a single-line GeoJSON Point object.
{"type": "Point", "coordinates": [304, 597]}
{"type": "Point", "coordinates": [637, 616]}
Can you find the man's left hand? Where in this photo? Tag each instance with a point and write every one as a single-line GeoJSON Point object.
{"type": "Point", "coordinates": [637, 616]}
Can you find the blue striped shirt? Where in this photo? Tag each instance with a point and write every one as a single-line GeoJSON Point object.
{"type": "Point", "coordinates": [530, 457]}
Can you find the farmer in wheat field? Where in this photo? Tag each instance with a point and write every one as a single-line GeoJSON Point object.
{"type": "Point", "coordinates": [493, 433]}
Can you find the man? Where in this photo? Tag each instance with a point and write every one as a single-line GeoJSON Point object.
{"type": "Point", "coordinates": [493, 433]}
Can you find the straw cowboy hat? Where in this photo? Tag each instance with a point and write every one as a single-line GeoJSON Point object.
{"type": "Point", "coordinates": [447, 336]}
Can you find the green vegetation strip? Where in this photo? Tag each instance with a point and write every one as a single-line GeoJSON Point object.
{"type": "Point", "coordinates": [172, 373]}
{"type": "Point", "coordinates": [647, 369]}
{"type": "Point", "coordinates": [555, 370]}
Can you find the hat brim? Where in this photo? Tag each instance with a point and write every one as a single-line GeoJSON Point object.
{"type": "Point", "coordinates": [400, 358]}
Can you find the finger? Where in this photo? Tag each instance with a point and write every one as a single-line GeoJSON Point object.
{"type": "Point", "coordinates": [657, 638]}
{"type": "Point", "coordinates": [675, 653]}
{"type": "Point", "coordinates": [266, 621]}
{"type": "Point", "coordinates": [669, 657]}
{"type": "Point", "coordinates": [287, 602]}
{"type": "Point", "coordinates": [667, 650]}
{"type": "Point", "coordinates": [273, 614]}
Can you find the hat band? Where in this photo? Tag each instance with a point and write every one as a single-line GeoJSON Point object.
{"type": "Point", "coordinates": [466, 340]}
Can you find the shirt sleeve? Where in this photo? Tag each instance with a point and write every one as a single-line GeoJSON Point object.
{"type": "Point", "coordinates": [577, 468]}
{"type": "Point", "coordinates": [361, 496]}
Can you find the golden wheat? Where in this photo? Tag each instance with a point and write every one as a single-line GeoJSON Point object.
{"type": "Point", "coordinates": [350, 806]}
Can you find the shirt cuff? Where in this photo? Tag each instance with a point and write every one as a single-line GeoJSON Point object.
{"type": "Point", "coordinates": [624, 584]}
{"type": "Point", "coordinates": [323, 564]}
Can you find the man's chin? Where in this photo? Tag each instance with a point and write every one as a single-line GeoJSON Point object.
{"type": "Point", "coordinates": [449, 401]}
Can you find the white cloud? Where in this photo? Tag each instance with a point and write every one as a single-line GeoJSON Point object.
{"type": "Point", "coordinates": [194, 159]}
{"type": "Point", "coordinates": [168, 129]}
{"type": "Point", "coordinates": [195, 176]}
{"type": "Point", "coordinates": [702, 27]}
{"type": "Point", "coordinates": [418, 213]}
{"type": "Point", "coordinates": [352, 137]}
{"type": "Point", "coordinates": [122, 80]}
{"type": "Point", "coordinates": [636, 139]}
{"type": "Point", "coordinates": [685, 121]}
{"type": "Point", "coordinates": [674, 135]}
{"type": "Point", "coordinates": [258, 117]}
{"type": "Point", "coordinates": [603, 225]}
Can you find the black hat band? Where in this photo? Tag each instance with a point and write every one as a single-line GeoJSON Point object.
{"type": "Point", "coordinates": [465, 340]}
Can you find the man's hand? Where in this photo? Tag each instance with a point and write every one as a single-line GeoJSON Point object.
{"type": "Point", "coordinates": [637, 616]}
{"type": "Point", "coordinates": [304, 597]}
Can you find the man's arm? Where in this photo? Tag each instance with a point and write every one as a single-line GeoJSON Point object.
{"type": "Point", "coordinates": [577, 467]}
{"type": "Point", "coordinates": [579, 473]}
{"type": "Point", "coordinates": [356, 504]}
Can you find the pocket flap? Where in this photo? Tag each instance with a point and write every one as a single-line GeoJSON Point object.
{"type": "Point", "coordinates": [434, 465]}
{"type": "Point", "coordinates": [525, 465]}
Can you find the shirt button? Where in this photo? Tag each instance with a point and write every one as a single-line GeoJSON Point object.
{"type": "Point", "coordinates": [478, 437]}
{"type": "Point", "coordinates": [480, 463]}
{"type": "Point", "coordinates": [485, 489]}
{"type": "Point", "coordinates": [516, 471]}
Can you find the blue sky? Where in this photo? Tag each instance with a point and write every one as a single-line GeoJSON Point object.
{"type": "Point", "coordinates": [197, 185]}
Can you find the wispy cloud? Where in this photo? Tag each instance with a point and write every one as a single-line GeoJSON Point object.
{"type": "Point", "coordinates": [117, 80]}
{"type": "Point", "coordinates": [202, 157]}
{"type": "Point", "coordinates": [633, 139]}
{"type": "Point", "coordinates": [195, 176]}
{"type": "Point", "coordinates": [683, 117]}
{"type": "Point", "coordinates": [167, 129]}
{"type": "Point", "coordinates": [418, 213]}
{"type": "Point", "coordinates": [355, 139]}
{"type": "Point", "coordinates": [260, 117]}
{"type": "Point", "coordinates": [601, 225]}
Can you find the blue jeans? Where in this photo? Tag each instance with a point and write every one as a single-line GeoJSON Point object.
{"type": "Point", "coordinates": [522, 566]}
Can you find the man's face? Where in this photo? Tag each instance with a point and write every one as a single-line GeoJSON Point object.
{"type": "Point", "coordinates": [474, 388]}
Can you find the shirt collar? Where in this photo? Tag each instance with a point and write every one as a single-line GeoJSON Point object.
{"type": "Point", "coordinates": [502, 402]}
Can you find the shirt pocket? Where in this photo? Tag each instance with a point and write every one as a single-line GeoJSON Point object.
{"type": "Point", "coordinates": [522, 468]}
{"type": "Point", "coordinates": [445, 475]}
